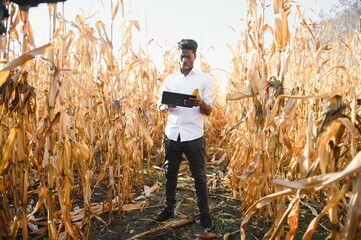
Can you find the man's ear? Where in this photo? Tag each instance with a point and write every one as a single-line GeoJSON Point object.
{"type": "Point", "coordinates": [195, 55]}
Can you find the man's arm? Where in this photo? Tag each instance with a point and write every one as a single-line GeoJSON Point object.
{"type": "Point", "coordinates": [205, 108]}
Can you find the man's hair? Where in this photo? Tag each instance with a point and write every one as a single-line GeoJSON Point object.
{"type": "Point", "coordinates": [188, 44]}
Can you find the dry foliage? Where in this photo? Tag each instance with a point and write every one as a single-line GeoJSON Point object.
{"type": "Point", "coordinates": [297, 132]}
{"type": "Point", "coordinates": [76, 120]}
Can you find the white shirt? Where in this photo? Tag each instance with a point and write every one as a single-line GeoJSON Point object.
{"type": "Point", "coordinates": [188, 122]}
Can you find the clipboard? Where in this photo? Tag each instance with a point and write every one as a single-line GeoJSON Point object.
{"type": "Point", "coordinates": [175, 99]}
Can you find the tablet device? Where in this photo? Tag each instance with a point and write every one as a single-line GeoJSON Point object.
{"type": "Point", "coordinates": [175, 99]}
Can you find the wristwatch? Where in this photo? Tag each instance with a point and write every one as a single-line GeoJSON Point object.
{"type": "Point", "coordinates": [163, 108]}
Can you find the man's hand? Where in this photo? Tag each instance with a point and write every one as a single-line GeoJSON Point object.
{"type": "Point", "coordinates": [198, 101]}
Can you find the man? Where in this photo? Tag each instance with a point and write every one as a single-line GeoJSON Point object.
{"type": "Point", "coordinates": [184, 131]}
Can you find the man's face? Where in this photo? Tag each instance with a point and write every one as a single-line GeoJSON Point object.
{"type": "Point", "coordinates": [187, 58]}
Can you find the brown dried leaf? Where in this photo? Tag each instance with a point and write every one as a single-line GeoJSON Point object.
{"type": "Point", "coordinates": [4, 74]}
{"type": "Point", "coordinates": [4, 162]}
{"type": "Point", "coordinates": [313, 225]}
{"type": "Point", "coordinates": [241, 93]}
{"type": "Point", "coordinates": [42, 193]}
{"type": "Point", "coordinates": [277, 6]}
{"type": "Point", "coordinates": [353, 227]}
{"type": "Point", "coordinates": [293, 221]}
{"type": "Point", "coordinates": [26, 57]}
{"type": "Point", "coordinates": [88, 182]}
{"type": "Point", "coordinates": [54, 90]}
{"type": "Point", "coordinates": [281, 32]}
{"type": "Point", "coordinates": [83, 149]}
{"type": "Point", "coordinates": [115, 10]}
{"type": "Point", "coordinates": [83, 89]}
{"type": "Point", "coordinates": [309, 152]}
{"type": "Point", "coordinates": [331, 138]}
{"type": "Point", "coordinates": [148, 190]}
{"type": "Point", "coordinates": [325, 179]}
{"type": "Point", "coordinates": [147, 135]}
{"type": "Point", "coordinates": [134, 206]}
{"type": "Point", "coordinates": [252, 4]}
{"type": "Point", "coordinates": [277, 232]}
{"type": "Point", "coordinates": [174, 223]}
{"type": "Point", "coordinates": [206, 235]}
{"type": "Point", "coordinates": [72, 230]}
{"type": "Point", "coordinates": [280, 97]}
{"type": "Point", "coordinates": [102, 31]}
{"type": "Point", "coordinates": [70, 37]}
{"type": "Point", "coordinates": [262, 202]}
{"type": "Point", "coordinates": [346, 74]}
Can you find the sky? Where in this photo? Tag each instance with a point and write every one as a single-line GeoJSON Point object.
{"type": "Point", "coordinates": [212, 23]}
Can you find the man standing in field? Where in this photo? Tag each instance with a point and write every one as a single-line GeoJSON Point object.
{"type": "Point", "coordinates": [184, 132]}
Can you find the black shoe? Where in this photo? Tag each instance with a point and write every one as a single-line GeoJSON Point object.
{"type": "Point", "coordinates": [206, 222]}
{"type": "Point", "coordinates": [164, 215]}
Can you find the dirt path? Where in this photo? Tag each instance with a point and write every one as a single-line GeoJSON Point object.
{"type": "Point", "coordinates": [226, 214]}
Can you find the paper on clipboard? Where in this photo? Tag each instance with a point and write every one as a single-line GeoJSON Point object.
{"type": "Point", "coordinates": [175, 99]}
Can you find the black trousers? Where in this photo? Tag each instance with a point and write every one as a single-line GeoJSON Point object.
{"type": "Point", "coordinates": [195, 153]}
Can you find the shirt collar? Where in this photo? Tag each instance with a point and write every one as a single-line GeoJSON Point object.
{"type": "Point", "coordinates": [193, 71]}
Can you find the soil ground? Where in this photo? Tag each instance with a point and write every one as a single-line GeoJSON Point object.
{"type": "Point", "coordinates": [226, 214]}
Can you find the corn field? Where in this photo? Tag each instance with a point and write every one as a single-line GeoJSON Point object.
{"type": "Point", "coordinates": [76, 121]}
